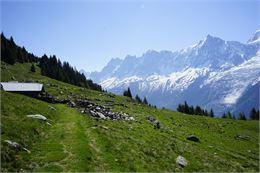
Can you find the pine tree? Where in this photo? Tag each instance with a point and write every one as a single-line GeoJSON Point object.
{"type": "Point", "coordinates": [198, 110]}
{"type": "Point", "coordinates": [138, 99]}
{"type": "Point", "coordinates": [211, 114]}
{"type": "Point", "coordinates": [191, 110]}
{"type": "Point", "coordinates": [206, 113]}
{"type": "Point", "coordinates": [180, 108]}
{"type": "Point", "coordinates": [33, 68]}
{"type": "Point", "coordinates": [241, 116]}
{"type": "Point", "coordinates": [145, 101]}
{"type": "Point", "coordinates": [128, 93]}
{"type": "Point", "coordinates": [186, 108]}
{"type": "Point", "coordinates": [229, 115]}
{"type": "Point", "coordinates": [254, 115]}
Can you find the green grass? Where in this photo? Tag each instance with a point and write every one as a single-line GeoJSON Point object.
{"type": "Point", "coordinates": [77, 142]}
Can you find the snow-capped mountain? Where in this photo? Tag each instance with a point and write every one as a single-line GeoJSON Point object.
{"type": "Point", "coordinates": [212, 73]}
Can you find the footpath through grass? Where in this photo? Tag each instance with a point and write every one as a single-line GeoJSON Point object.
{"type": "Point", "coordinates": [65, 146]}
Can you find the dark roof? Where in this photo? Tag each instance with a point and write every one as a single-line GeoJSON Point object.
{"type": "Point", "coordinates": [16, 86]}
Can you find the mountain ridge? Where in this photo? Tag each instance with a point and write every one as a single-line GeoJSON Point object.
{"type": "Point", "coordinates": [174, 72]}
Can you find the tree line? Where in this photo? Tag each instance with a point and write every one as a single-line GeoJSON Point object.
{"type": "Point", "coordinates": [185, 108]}
{"type": "Point", "coordinates": [253, 115]}
{"type": "Point", "coordinates": [50, 66]}
{"type": "Point", "coordinates": [128, 93]}
{"type": "Point", "coordinates": [11, 53]}
{"type": "Point", "coordinates": [53, 68]}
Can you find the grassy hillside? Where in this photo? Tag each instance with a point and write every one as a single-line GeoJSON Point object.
{"type": "Point", "coordinates": [78, 142]}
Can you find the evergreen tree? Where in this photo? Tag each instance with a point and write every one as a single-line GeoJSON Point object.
{"type": "Point", "coordinates": [198, 110]}
{"type": "Point", "coordinates": [33, 68]}
{"type": "Point", "coordinates": [206, 113]}
{"type": "Point", "coordinates": [145, 101]}
{"type": "Point", "coordinates": [180, 108]}
{"type": "Point", "coordinates": [128, 93]}
{"type": "Point", "coordinates": [229, 115]}
{"type": "Point", "coordinates": [241, 116]}
{"type": "Point", "coordinates": [254, 115]}
{"type": "Point", "coordinates": [191, 110]}
{"type": "Point", "coordinates": [186, 108]}
{"type": "Point", "coordinates": [211, 114]}
{"type": "Point", "coordinates": [138, 99]}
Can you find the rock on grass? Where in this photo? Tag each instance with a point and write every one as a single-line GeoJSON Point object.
{"type": "Point", "coordinates": [180, 160]}
{"type": "Point", "coordinates": [193, 138]}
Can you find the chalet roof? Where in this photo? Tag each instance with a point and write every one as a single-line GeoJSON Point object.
{"type": "Point", "coordinates": [16, 86]}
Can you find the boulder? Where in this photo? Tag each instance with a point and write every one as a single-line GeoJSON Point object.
{"type": "Point", "coordinates": [180, 160]}
{"type": "Point", "coordinates": [193, 138]}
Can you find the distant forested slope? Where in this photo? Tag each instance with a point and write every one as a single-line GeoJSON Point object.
{"type": "Point", "coordinates": [50, 66]}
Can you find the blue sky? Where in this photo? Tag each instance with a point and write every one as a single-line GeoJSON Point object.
{"type": "Point", "coordinates": [89, 33]}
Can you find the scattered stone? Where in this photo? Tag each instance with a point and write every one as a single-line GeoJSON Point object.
{"type": "Point", "coordinates": [72, 104]}
{"type": "Point", "coordinates": [101, 112]}
{"type": "Point", "coordinates": [50, 99]}
{"type": "Point", "coordinates": [37, 116]}
{"type": "Point", "coordinates": [61, 92]}
{"type": "Point", "coordinates": [157, 125]}
{"type": "Point", "coordinates": [242, 137]}
{"type": "Point", "coordinates": [104, 127]}
{"type": "Point", "coordinates": [28, 151]}
{"type": "Point", "coordinates": [13, 144]}
{"type": "Point", "coordinates": [52, 108]}
{"type": "Point", "coordinates": [153, 121]}
{"type": "Point", "coordinates": [193, 138]}
{"type": "Point", "coordinates": [130, 118]}
{"type": "Point", "coordinates": [16, 146]}
{"type": "Point", "coordinates": [54, 85]}
{"type": "Point", "coordinates": [180, 160]}
{"type": "Point", "coordinates": [100, 115]}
